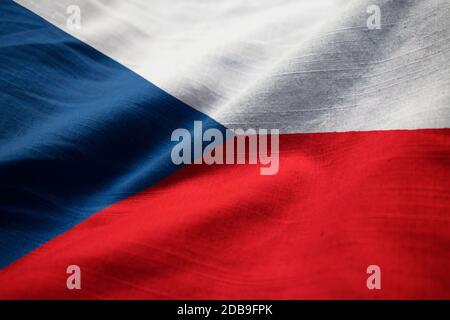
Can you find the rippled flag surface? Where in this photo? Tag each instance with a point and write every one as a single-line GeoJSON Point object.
{"type": "Point", "coordinates": [86, 176]}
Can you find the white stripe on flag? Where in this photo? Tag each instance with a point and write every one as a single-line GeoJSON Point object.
{"type": "Point", "coordinates": [298, 66]}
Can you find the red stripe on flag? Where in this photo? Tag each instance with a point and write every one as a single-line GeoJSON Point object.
{"type": "Point", "coordinates": [340, 202]}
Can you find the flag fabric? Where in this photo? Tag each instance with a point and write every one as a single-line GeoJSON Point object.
{"type": "Point", "coordinates": [90, 98]}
